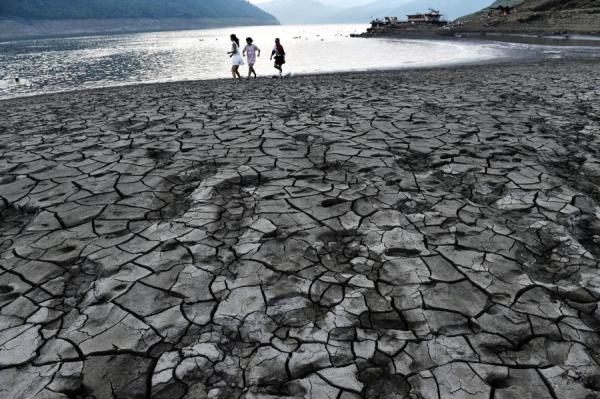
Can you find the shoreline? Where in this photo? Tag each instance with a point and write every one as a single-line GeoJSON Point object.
{"type": "Point", "coordinates": [475, 64]}
{"type": "Point", "coordinates": [407, 233]}
{"type": "Point", "coordinates": [564, 38]}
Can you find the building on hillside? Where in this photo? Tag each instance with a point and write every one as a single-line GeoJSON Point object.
{"type": "Point", "coordinates": [430, 17]}
{"type": "Point", "coordinates": [421, 24]}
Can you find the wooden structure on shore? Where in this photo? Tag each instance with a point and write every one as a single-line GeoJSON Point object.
{"type": "Point", "coordinates": [430, 17]}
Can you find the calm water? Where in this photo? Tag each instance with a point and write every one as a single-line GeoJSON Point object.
{"type": "Point", "coordinates": [53, 65]}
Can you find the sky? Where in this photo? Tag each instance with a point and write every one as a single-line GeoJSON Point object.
{"type": "Point", "coordinates": [328, 2]}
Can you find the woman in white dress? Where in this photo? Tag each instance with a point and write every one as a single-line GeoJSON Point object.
{"type": "Point", "coordinates": [236, 57]}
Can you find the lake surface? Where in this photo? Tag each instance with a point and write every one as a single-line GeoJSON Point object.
{"type": "Point", "coordinates": [62, 64]}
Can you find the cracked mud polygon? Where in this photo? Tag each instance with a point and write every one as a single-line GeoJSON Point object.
{"type": "Point", "coordinates": [421, 234]}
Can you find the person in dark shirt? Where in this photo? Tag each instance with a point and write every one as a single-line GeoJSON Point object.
{"type": "Point", "coordinates": [279, 54]}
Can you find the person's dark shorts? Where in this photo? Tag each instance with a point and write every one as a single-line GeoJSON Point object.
{"type": "Point", "coordinates": [279, 60]}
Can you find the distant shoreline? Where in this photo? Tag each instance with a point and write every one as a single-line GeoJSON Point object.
{"type": "Point", "coordinates": [522, 22]}
{"type": "Point", "coordinates": [456, 31]}
{"type": "Point", "coordinates": [14, 30]}
{"type": "Point", "coordinates": [566, 39]}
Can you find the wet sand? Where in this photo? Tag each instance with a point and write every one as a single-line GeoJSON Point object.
{"type": "Point", "coordinates": [423, 234]}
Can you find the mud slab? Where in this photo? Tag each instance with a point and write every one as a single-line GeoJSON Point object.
{"type": "Point", "coordinates": [416, 234]}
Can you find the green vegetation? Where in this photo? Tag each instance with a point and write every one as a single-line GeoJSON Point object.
{"type": "Point", "coordinates": [107, 9]}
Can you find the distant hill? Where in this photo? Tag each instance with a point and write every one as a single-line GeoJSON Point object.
{"type": "Point", "coordinates": [400, 8]}
{"type": "Point", "coordinates": [103, 9]}
{"type": "Point", "coordinates": [538, 17]}
{"type": "Point", "coordinates": [367, 12]}
{"type": "Point", "coordinates": [345, 3]}
{"type": "Point", "coordinates": [451, 9]}
{"type": "Point", "coordinates": [299, 11]}
{"type": "Point", "coordinates": [29, 18]}
{"type": "Point", "coordinates": [316, 11]}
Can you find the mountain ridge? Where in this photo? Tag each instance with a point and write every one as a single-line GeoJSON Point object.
{"type": "Point", "coordinates": [22, 19]}
{"type": "Point", "coordinates": [299, 12]}
{"type": "Point", "coordinates": [118, 9]}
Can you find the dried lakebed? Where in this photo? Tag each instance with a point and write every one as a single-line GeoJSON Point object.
{"type": "Point", "coordinates": [417, 234]}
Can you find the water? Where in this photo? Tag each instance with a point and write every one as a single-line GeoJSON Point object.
{"type": "Point", "coordinates": [62, 64]}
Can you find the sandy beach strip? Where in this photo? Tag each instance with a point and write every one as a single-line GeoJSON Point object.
{"type": "Point", "coordinates": [432, 233]}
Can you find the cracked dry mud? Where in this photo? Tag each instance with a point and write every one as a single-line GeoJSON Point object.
{"type": "Point", "coordinates": [421, 234]}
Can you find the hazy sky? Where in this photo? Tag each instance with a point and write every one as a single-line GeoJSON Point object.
{"type": "Point", "coordinates": [330, 2]}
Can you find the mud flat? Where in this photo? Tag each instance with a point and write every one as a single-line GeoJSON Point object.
{"type": "Point", "coordinates": [424, 234]}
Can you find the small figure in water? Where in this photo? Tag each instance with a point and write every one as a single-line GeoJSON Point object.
{"type": "Point", "coordinates": [236, 57]}
{"type": "Point", "coordinates": [251, 51]}
{"type": "Point", "coordinates": [17, 81]}
{"type": "Point", "coordinates": [279, 54]}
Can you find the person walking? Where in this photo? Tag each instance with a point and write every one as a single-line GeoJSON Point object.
{"type": "Point", "coordinates": [236, 57]}
{"type": "Point", "coordinates": [279, 54]}
{"type": "Point", "coordinates": [251, 51]}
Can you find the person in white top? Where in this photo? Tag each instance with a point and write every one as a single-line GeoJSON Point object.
{"type": "Point", "coordinates": [251, 51]}
{"type": "Point", "coordinates": [236, 57]}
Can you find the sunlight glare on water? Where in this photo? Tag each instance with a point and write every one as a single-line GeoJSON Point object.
{"type": "Point", "coordinates": [61, 64]}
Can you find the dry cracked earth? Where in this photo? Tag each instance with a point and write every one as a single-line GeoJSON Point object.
{"type": "Point", "coordinates": [421, 234]}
